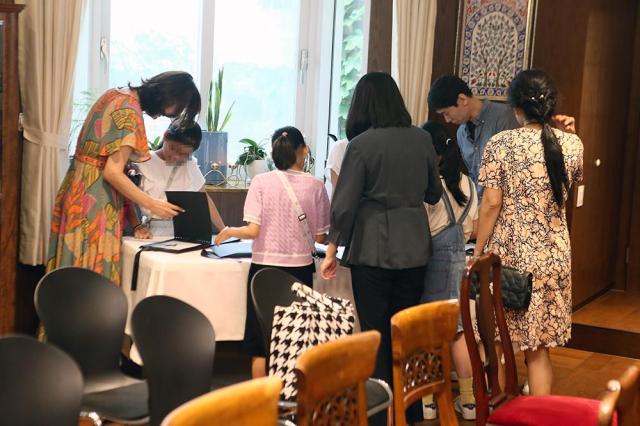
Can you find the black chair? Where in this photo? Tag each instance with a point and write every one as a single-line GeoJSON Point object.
{"type": "Point", "coordinates": [271, 287]}
{"type": "Point", "coordinates": [84, 314]}
{"type": "Point", "coordinates": [39, 384]}
{"type": "Point", "coordinates": [177, 345]}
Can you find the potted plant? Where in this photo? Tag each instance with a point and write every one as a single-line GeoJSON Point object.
{"type": "Point", "coordinates": [213, 150]}
{"type": "Point", "coordinates": [253, 157]}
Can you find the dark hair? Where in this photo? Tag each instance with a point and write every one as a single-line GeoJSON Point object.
{"type": "Point", "coordinates": [167, 89]}
{"type": "Point", "coordinates": [535, 94]}
{"type": "Point", "coordinates": [445, 90]}
{"type": "Point", "coordinates": [376, 103]}
{"type": "Point", "coordinates": [190, 134]}
{"type": "Point", "coordinates": [451, 159]}
{"type": "Point", "coordinates": [285, 141]}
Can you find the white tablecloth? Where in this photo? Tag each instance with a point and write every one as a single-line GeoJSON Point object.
{"type": "Point", "coordinates": [216, 287]}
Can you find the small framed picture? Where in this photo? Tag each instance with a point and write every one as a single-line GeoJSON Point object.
{"type": "Point", "coordinates": [494, 43]}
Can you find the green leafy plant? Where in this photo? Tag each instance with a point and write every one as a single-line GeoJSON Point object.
{"type": "Point", "coordinates": [351, 60]}
{"type": "Point", "coordinates": [156, 143]}
{"type": "Point", "coordinates": [215, 100]}
{"type": "Point", "coordinates": [251, 152]}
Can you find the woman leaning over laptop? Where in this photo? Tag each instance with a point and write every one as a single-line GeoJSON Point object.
{"type": "Point", "coordinates": [87, 223]}
{"type": "Point", "coordinates": [280, 239]}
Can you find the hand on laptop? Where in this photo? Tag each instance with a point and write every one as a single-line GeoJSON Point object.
{"type": "Point", "coordinates": [163, 210]}
{"type": "Point", "coordinates": [223, 235]}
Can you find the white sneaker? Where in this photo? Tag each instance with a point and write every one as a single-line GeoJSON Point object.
{"type": "Point", "coordinates": [525, 388]}
{"type": "Point", "coordinates": [468, 411]}
{"type": "Point", "coordinates": [429, 411]}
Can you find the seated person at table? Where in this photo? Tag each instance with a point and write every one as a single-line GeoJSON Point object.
{"type": "Point", "coordinates": [171, 168]}
{"type": "Point", "coordinates": [280, 239]}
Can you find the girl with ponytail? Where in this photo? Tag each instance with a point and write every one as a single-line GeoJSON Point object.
{"type": "Point", "coordinates": [526, 174]}
{"type": "Point", "coordinates": [281, 240]}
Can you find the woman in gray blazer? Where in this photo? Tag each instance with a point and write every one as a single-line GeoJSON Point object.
{"type": "Point", "coordinates": [377, 212]}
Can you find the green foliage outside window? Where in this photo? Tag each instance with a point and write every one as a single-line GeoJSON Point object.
{"type": "Point", "coordinates": [351, 61]}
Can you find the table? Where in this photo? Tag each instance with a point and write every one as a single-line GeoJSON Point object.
{"type": "Point", "coordinates": [216, 287]}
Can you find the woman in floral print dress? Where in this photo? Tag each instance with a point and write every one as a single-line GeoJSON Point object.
{"type": "Point", "coordinates": [87, 224]}
{"type": "Point", "coordinates": [526, 174]}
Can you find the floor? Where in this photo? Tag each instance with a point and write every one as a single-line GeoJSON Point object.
{"type": "Point", "coordinates": [615, 309]}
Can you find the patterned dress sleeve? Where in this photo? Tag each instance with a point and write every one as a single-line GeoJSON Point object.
{"type": "Point", "coordinates": [577, 172]}
{"type": "Point", "coordinates": [492, 171]}
{"type": "Point", "coordinates": [122, 124]}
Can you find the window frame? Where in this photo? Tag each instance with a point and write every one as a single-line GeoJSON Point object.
{"type": "Point", "coordinates": [313, 86]}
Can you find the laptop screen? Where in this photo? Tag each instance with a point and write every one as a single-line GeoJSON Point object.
{"type": "Point", "coordinates": [194, 225]}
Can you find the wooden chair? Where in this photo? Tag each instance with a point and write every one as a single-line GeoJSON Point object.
{"type": "Point", "coordinates": [420, 343]}
{"type": "Point", "coordinates": [504, 406]}
{"type": "Point", "coordinates": [331, 380]}
{"type": "Point", "coordinates": [489, 314]}
{"type": "Point", "coordinates": [623, 396]}
{"type": "Point", "coordinates": [251, 403]}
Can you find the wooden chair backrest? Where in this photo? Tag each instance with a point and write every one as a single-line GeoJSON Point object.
{"type": "Point", "coordinates": [251, 403]}
{"type": "Point", "coordinates": [623, 396]}
{"type": "Point", "coordinates": [490, 315]}
{"type": "Point", "coordinates": [331, 380]}
{"type": "Point", "coordinates": [421, 339]}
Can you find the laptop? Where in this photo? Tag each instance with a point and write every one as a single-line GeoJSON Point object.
{"type": "Point", "coordinates": [192, 229]}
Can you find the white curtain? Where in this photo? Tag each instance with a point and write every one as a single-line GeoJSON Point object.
{"type": "Point", "coordinates": [416, 27]}
{"type": "Point", "coordinates": [49, 32]}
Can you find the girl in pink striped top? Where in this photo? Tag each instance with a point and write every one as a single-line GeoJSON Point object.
{"type": "Point", "coordinates": [280, 239]}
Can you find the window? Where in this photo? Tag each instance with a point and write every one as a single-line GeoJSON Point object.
{"type": "Point", "coordinates": [282, 63]}
{"type": "Point", "coordinates": [149, 37]}
{"type": "Point", "coordinates": [260, 59]}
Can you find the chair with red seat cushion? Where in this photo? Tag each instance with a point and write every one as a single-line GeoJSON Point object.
{"type": "Point", "coordinates": [547, 410]}
{"type": "Point", "coordinates": [622, 395]}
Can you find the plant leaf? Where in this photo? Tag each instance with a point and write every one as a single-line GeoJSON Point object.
{"type": "Point", "coordinates": [210, 108]}
{"type": "Point", "coordinates": [227, 117]}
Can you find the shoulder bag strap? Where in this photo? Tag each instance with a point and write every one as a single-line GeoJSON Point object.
{"type": "Point", "coordinates": [302, 217]}
{"type": "Point", "coordinates": [469, 201]}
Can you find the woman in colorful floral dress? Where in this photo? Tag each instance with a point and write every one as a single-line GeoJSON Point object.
{"type": "Point", "coordinates": [526, 174]}
{"type": "Point", "coordinates": [88, 216]}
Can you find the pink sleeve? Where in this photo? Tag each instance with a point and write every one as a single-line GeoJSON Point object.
{"type": "Point", "coordinates": [323, 209]}
{"type": "Point", "coordinates": [253, 203]}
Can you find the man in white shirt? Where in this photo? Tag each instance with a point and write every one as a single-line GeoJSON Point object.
{"type": "Point", "coordinates": [171, 168]}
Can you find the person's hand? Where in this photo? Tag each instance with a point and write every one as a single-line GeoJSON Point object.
{"type": "Point", "coordinates": [564, 122]}
{"type": "Point", "coordinates": [142, 233]}
{"type": "Point", "coordinates": [329, 267]}
{"type": "Point", "coordinates": [224, 235]}
{"type": "Point", "coordinates": [163, 210]}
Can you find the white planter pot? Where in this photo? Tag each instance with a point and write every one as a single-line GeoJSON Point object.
{"type": "Point", "coordinates": [256, 167]}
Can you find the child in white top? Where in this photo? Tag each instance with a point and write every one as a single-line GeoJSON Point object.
{"type": "Point", "coordinates": [334, 163]}
{"type": "Point", "coordinates": [171, 168]}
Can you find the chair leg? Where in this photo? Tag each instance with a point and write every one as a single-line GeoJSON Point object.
{"type": "Point", "coordinates": [93, 416]}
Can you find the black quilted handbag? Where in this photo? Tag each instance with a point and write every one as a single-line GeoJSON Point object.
{"type": "Point", "coordinates": [516, 288]}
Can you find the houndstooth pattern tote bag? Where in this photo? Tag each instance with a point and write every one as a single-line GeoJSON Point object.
{"type": "Point", "coordinates": [318, 318]}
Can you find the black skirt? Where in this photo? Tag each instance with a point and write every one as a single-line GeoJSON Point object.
{"type": "Point", "coordinates": [253, 341]}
